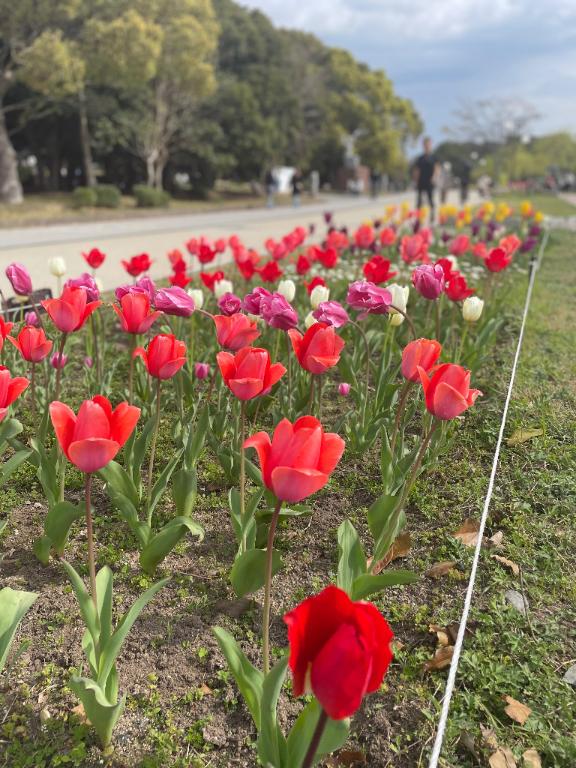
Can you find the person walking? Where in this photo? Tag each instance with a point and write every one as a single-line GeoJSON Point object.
{"type": "Point", "coordinates": [426, 169]}
{"type": "Point", "coordinates": [297, 185]}
{"type": "Point", "coordinates": [270, 183]}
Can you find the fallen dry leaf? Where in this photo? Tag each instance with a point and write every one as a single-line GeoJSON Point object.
{"type": "Point", "coordinates": [516, 710]}
{"type": "Point", "coordinates": [496, 540]}
{"type": "Point", "coordinates": [468, 532]}
{"type": "Point", "coordinates": [531, 759]}
{"type": "Point", "coordinates": [441, 634]}
{"type": "Point", "coordinates": [205, 690]}
{"type": "Point", "coordinates": [399, 548]}
{"type": "Point", "coordinates": [523, 435]}
{"type": "Point", "coordinates": [350, 757]}
{"type": "Point", "coordinates": [502, 758]}
{"type": "Point", "coordinates": [78, 710]}
{"type": "Point", "coordinates": [441, 660]}
{"type": "Point", "coordinates": [489, 737]}
{"type": "Point", "coordinates": [510, 564]}
{"type": "Point", "coordinates": [440, 569]}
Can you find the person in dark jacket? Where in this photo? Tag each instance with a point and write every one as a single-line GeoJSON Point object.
{"type": "Point", "coordinates": [426, 169]}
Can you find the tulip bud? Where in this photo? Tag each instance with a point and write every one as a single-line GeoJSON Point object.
{"type": "Point", "coordinates": [88, 362]}
{"type": "Point", "coordinates": [400, 295]}
{"type": "Point", "coordinates": [197, 297]}
{"type": "Point", "coordinates": [31, 318]}
{"type": "Point", "coordinates": [57, 266]}
{"type": "Point", "coordinates": [287, 288]}
{"type": "Point", "coordinates": [309, 320]}
{"type": "Point", "coordinates": [344, 389]}
{"type": "Point", "coordinates": [58, 361]}
{"type": "Point", "coordinates": [20, 279]}
{"type": "Point", "coordinates": [221, 287]}
{"type": "Point", "coordinates": [201, 370]}
{"type": "Point", "coordinates": [472, 309]}
{"type": "Point", "coordinates": [319, 294]}
{"type": "Point", "coordinates": [395, 319]}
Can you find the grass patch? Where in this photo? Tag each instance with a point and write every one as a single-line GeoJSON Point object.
{"type": "Point", "coordinates": [550, 204]}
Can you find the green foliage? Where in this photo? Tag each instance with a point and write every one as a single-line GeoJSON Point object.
{"type": "Point", "coordinates": [13, 606]}
{"type": "Point", "coordinates": [107, 196]}
{"type": "Point", "coordinates": [84, 197]}
{"type": "Point", "coordinates": [149, 197]}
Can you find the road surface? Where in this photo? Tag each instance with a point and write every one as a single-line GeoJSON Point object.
{"type": "Point", "coordinates": [34, 246]}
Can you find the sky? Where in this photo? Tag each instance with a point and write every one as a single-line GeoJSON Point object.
{"type": "Point", "coordinates": [443, 53]}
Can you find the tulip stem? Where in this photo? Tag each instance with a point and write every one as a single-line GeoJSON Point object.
{"type": "Point", "coordinates": [437, 308]}
{"type": "Point", "coordinates": [96, 349]}
{"type": "Point", "coordinates": [33, 387]}
{"type": "Point", "coordinates": [289, 373]}
{"type": "Point", "coordinates": [399, 414]}
{"type": "Point", "coordinates": [367, 374]}
{"type": "Point", "coordinates": [59, 367]}
{"type": "Point", "coordinates": [315, 741]}
{"type": "Point", "coordinates": [462, 342]}
{"type": "Point", "coordinates": [90, 537]}
{"type": "Point", "coordinates": [406, 317]}
{"type": "Point", "coordinates": [242, 472]}
{"type": "Point", "coordinates": [320, 382]}
{"type": "Point", "coordinates": [131, 369]}
{"type": "Point", "coordinates": [268, 589]}
{"type": "Point", "coordinates": [153, 453]}
{"type": "Point", "coordinates": [418, 463]}
{"type": "Point", "coordinates": [311, 401]}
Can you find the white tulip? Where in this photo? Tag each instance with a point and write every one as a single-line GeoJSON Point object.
{"type": "Point", "coordinates": [222, 287]}
{"type": "Point", "coordinates": [57, 266]}
{"type": "Point", "coordinates": [287, 288]}
{"type": "Point", "coordinates": [400, 295]}
{"type": "Point", "coordinates": [310, 320]}
{"type": "Point", "coordinates": [472, 309]}
{"type": "Point", "coordinates": [319, 294]}
{"type": "Point", "coordinates": [197, 297]}
{"type": "Point", "coordinates": [395, 318]}
{"type": "Point", "coordinates": [99, 284]}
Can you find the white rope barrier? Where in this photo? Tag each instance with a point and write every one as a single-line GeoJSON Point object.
{"type": "Point", "coordinates": [436, 750]}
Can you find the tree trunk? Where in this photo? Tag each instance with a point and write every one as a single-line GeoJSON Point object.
{"type": "Point", "coordinates": [10, 186]}
{"type": "Point", "coordinates": [85, 141]}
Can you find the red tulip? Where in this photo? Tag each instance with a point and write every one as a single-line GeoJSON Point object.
{"type": "Point", "coordinates": [93, 438]}
{"type": "Point", "coordinates": [510, 244]}
{"type": "Point", "coordinates": [457, 288]}
{"type": "Point", "coordinates": [339, 650]}
{"type": "Point", "coordinates": [459, 245]}
{"type": "Point", "coordinates": [32, 344]}
{"type": "Point", "coordinates": [164, 356]}
{"type": "Point", "coordinates": [270, 272]}
{"type": "Point", "coordinates": [179, 279]}
{"type": "Point", "coordinates": [299, 459]}
{"type": "Point", "coordinates": [319, 348]}
{"type": "Point", "coordinates": [303, 265]}
{"type": "Point", "coordinates": [134, 313]}
{"type": "Point", "coordinates": [5, 329]}
{"type": "Point", "coordinates": [235, 331]}
{"type": "Point", "coordinates": [448, 392]}
{"type": "Point", "coordinates": [249, 373]}
{"type": "Point", "coordinates": [210, 279]}
{"type": "Point", "coordinates": [10, 389]}
{"type": "Point", "coordinates": [71, 310]}
{"type": "Point", "coordinates": [420, 353]}
{"type": "Point", "coordinates": [364, 236]}
{"type": "Point", "coordinates": [387, 236]}
{"type": "Point", "coordinates": [137, 264]}
{"type": "Point", "coordinates": [414, 248]}
{"type": "Point", "coordinates": [94, 258]}
{"type": "Point", "coordinates": [313, 283]}
{"type": "Point", "coordinates": [498, 259]}
{"type": "Point", "coordinates": [377, 270]}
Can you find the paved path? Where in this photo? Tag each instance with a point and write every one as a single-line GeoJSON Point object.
{"type": "Point", "coordinates": [33, 246]}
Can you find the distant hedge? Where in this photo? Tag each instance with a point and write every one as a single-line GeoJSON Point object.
{"type": "Point", "coordinates": [107, 196]}
{"type": "Point", "coordinates": [84, 197]}
{"type": "Point", "coordinates": [150, 197]}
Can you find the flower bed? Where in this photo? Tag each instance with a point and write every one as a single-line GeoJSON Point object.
{"type": "Point", "coordinates": [357, 387]}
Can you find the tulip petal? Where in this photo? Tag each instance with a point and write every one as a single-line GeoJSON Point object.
{"type": "Point", "coordinates": [274, 374]}
{"type": "Point", "coordinates": [93, 453]}
{"type": "Point", "coordinates": [261, 442]}
{"type": "Point", "coordinates": [331, 452]}
{"type": "Point", "coordinates": [292, 484]}
{"type": "Point", "coordinates": [171, 368]}
{"type": "Point", "coordinates": [15, 388]}
{"type": "Point", "coordinates": [226, 364]}
{"type": "Point", "coordinates": [448, 402]}
{"type": "Point", "coordinates": [245, 389]}
{"type": "Point", "coordinates": [92, 421]}
{"type": "Point", "coordinates": [341, 672]}
{"type": "Point", "coordinates": [63, 420]}
{"type": "Point", "coordinates": [123, 421]}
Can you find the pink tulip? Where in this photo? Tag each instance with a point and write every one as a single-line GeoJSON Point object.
{"type": "Point", "coordinates": [229, 304]}
{"type": "Point", "coordinates": [368, 299]}
{"type": "Point", "coordinates": [19, 279]}
{"type": "Point", "coordinates": [174, 301]}
{"type": "Point", "coordinates": [331, 313]}
{"type": "Point", "coordinates": [251, 303]}
{"type": "Point", "coordinates": [277, 312]}
{"type": "Point", "coordinates": [144, 285]}
{"type": "Point", "coordinates": [344, 389]}
{"type": "Point", "coordinates": [429, 281]}
{"type": "Point", "coordinates": [87, 282]}
{"type": "Point", "coordinates": [31, 318]}
{"type": "Point", "coordinates": [58, 361]}
{"type": "Point", "coordinates": [201, 371]}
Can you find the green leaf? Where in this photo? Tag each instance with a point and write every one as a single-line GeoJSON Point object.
{"type": "Point", "coordinates": [160, 485]}
{"type": "Point", "coordinates": [299, 738]}
{"type": "Point", "coordinates": [249, 571]}
{"type": "Point", "coordinates": [197, 439]}
{"type": "Point", "coordinates": [136, 459]}
{"type": "Point", "coordinates": [59, 521]}
{"type": "Point", "coordinates": [10, 466]}
{"type": "Point", "coordinates": [9, 428]}
{"type": "Point", "coordinates": [3, 524]}
{"type": "Point", "coordinates": [271, 741]}
{"type": "Point", "coordinates": [102, 713]}
{"type": "Point", "coordinates": [369, 583]}
{"type": "Point", "coordinates": [13, 606]}
{"type": "Point", "coordinates": [166, 539]}
{"type": "Point", "coordinates": [184, 491]}
{"type": "Point", "coordinates": [115, 476]}
{"type": "Point", "coordinates": [85, 602]}
{"type": "Point", "coordinates": [382, 514]}
{"type": "Point", "coordinates": [352, 560]}
{"type": "Point", "coordinates": [248, 679]}
{"type": "Point", "coordinates": [110, 651]}
{"type": "Point", "coordinates": [42, 547]}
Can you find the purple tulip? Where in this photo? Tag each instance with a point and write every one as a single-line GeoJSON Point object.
{"type": "Point", "coordinates": [332, 313]}
{"type": "Point", "coordinates": [528, 245]}
{"type": "Point", "coordinates": [344, 389]}
{"type": "Point", "coordinates": [58, 361]}
{"type": "Point", "coordinates": [31, 318]}
{"type": "Point", "coordinates": [429, 281]}
{"type": "Point", "coordinates": [328, 216]}
{"type": "Point", "coordinates": [87, 282]}
{"type": "Point", "coordinates": [278, 312]}
{"type": "Point", "coordinates": [201, 370]}
{"type": "Point", "coordinates": [251, 303]}
{"type": "Point", "coordinates": [534, 231]}
{"type": "Point", "coordinates": [19, 279]}
{"type": "Point", "coordinates": [88, 362]}
{"type": "Point", "coordinates": [174, 301]}
{"type": "Point", "coordinates": [144, 285]}
{"type": "Point", "coordinates": [368, 298]}
{"type": "Point", "coordinates": [446, 237]}
{"type": "Point", "coordinates": [475, 228]}
{"type": "Point", "coordinates": [229, 304]}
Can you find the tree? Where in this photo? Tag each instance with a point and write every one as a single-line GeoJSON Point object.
{"type": "Point", "coordinates": [23, 22]}
{"type": "Point", "coordinates": [492, 120]}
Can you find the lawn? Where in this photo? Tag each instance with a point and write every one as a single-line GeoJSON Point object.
{"type": "Point", "coordinates": [549, 203]}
